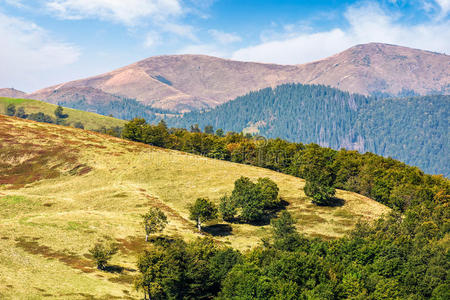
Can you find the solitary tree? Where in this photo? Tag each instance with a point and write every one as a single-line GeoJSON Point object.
{"type": "Point", "coordinates": [154, 221]}
{"type": "Point", "coordinates": [11, 110]}
{"type": "Point", "coordinates": [202, 210]}
{"type": "Point", "coordinates": [102, 253]}
{"type": "Point", "coordinates": [59, 113]}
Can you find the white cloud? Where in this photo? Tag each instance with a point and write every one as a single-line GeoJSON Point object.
{"type": "Point", "coordinates": [128, 12]}
{"type": "Point", "coordinates": [28, 54]}
{"type": "Point", "coordinates": [206, 49]}
{"type": "Point", "coordinates": [224, 37]}
{"type": "Point", "coordinates": [16, 3]}
{"type": "Point", "coordinates": [182, 30]}
{"type": "Point", "coordinates": [152, 39]}
{"type": "Point", "coordinates": [367, 23]}
{"type": "Point", "coordinates": [445, 7]}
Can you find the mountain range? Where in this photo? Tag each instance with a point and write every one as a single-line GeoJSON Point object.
{"type": "Point", "coordinates": [190, 82]}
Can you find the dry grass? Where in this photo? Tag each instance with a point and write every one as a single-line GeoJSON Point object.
{"type": "Point", "coordinates": [98, 188]}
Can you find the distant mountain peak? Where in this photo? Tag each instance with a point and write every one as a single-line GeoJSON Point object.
{"type": "Point", "coordinates": [200, 81]}
{"type": "Point", "coordinates": [12, 93]}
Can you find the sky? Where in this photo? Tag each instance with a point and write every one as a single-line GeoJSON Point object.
{"type": "Point", "coordinates": [46, 42]}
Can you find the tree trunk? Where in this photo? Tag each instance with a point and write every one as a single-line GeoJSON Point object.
{"type": "Point", "coordinates": [146, 237]}
{"type": "Point", "coordinates": [199, 224]}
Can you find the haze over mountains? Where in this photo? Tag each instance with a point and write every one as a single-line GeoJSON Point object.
{"type": "Point", "coordinates": [189, 82]}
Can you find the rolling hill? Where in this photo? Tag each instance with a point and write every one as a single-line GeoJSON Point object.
{"type": "Point", "coordinates": [189, 82]}
{"type": "Point", "coordinates": [12, 93]}
{"type": "Point", "coordinates": [62, 189]}
{"type": "Point", "coordinates": [91, 121]}
{"type": "Point", "coordinates": [412, 129]}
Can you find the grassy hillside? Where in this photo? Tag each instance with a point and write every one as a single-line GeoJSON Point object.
{"type": "Point", "coordinates": [62, 189]}
{"type": "Point", "coordinates": [90, 120]}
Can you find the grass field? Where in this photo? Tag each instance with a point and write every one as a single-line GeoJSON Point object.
{"type": "Point", "coordinates": [62, 189]}
{"type": "Point", "coordinates": [91, 121]}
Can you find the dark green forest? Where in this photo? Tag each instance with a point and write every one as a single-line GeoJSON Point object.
{"type": "Point", "coordinates": [125, 109]}
{"type": "Point", "coordinates": [413, 129]}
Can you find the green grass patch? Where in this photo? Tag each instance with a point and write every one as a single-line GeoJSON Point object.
{"type": "Point", "coordinates": [343, 214]}
{"type": "Point", "coordinates": [14, 200]}
{"type": "Point", "coordinates": [14, 101]}
{"type": "Point", "coordinates": [71, 225]}
{"type": "Point", "coordinates": [91, 121]}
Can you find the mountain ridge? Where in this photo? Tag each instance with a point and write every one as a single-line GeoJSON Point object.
{"type": "Point", "coordinates": [12, 93]}
{"type": "Point", "coordinates": [189, 82]}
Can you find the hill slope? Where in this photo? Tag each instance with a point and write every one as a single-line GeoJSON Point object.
{"type": "Point", "coordinates": [185, 82]}
{"type": "Point", "coordinates": [13, 93]}
{"type": "Point", "coordinates": [61, 189]}
{"type": "Point", "coordinates": [413, 130]}
{"type": "Point", "coordinates": [90, 120]}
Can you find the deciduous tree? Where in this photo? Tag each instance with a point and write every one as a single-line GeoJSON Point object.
{"type": "Point", "coordinates": [154, 221]}
{"type": "Point", "coordinates": [202, 210]}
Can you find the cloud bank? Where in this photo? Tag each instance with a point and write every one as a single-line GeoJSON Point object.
{"type": "Point", "coordinates": [366, 23]}
{"type": "Point", "coordinates": [128, 12]}
{"type": "Point", "coordinates": [28, 53]}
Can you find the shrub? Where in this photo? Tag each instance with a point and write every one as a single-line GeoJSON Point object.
{"type": "Point", "coordinates": [11, 110]}
{"type": "Point", "coordinates": [102, 253]}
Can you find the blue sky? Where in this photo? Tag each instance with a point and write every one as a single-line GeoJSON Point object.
{"type": "Point", "coordinates": [46, 42]}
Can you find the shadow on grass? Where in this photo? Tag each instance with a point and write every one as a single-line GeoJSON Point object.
{"type": "Point", "coordinates": [333, 202]}
{"type": "Point", "coordinates": [218, 229]}
{"type": "Point", "coordinates": [113, 269]}
{"type": "Point", "coordinates": [269, 214]}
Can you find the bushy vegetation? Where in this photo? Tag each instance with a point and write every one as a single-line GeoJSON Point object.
{"type": "Point", "coordinates": [413, 129]}
{"type": "Point", "coordinates": [398, 257]}
{"type": "Point", "coordinates": [251, 199]}
{"type": "Point", "coordinates": [385, 180]}
{"type": "Point", "coordinates": [102, 253]}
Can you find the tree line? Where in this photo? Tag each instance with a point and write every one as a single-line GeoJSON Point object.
{"type": "Point", "coordinates": [385, 180]}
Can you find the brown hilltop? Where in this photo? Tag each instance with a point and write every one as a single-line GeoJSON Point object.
{"type": "Point", "coordinates": [11, 93]}
{"type": "Point", "coordinates": [184, 82]}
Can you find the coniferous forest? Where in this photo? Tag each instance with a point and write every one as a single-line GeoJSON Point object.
{"type": "Point", "coordinates": [413, 129]}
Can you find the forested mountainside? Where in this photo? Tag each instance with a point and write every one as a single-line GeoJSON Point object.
{"type": "Point", "coordinates": [413, 129]}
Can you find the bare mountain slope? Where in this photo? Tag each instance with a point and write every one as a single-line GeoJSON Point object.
{"type": "Point", "coordinates": [12, 93]}
{"type": "Point", "coordinates": [184, 82]}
